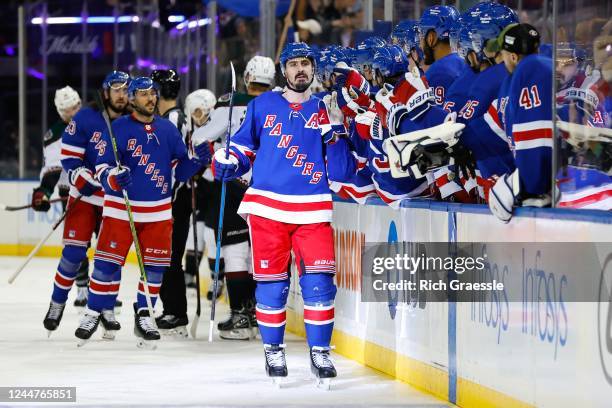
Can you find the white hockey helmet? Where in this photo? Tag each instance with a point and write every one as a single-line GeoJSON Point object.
{"type": "Point", "coordinates": [202, 99]}
{"type": "Point", "coordinates": [259, 69]}
{"type": "Point", "coordinates": [66, 98]}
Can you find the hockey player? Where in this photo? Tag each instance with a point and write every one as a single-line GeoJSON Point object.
{"type": "Point", "coordinates": [527, 119]}
{"type": "Point", "coordinates": [172, 291]}
{"type": "Point", "coordinates": [286, 138]}
{"type": "Point", "coordinates": [443, 65]}
{"type": "Point", "coordinates": [406, 35]}
{"type": "Point", "coordinates": [199, 105]}
{"type": "Point", "coordinates": [241, 324]}
{"type": "Point", "coordinates": [81, 143]}
{"type": "Point", "coordinates": [482, 135]}
{"type": "Point", "coordinates": [67, 102]}
{"type": "Point", "coordinates": [149, 147]}
{"type": "Point", "coordinates": [333, 66]}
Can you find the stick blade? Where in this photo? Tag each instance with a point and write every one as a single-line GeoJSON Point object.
{"type": "Point", "coordinates": [233, 77]}
{"type": "Point", "coordinates": [194, 325]}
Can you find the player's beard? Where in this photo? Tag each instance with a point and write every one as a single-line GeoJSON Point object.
{"type": "Point", "coordinates": [143, 110]}
{"type": "Point", "coordinates": [301, 87]}
{"type": "Point", "coordinates": [115, 108]}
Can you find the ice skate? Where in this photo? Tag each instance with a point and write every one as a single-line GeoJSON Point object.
{"type": "Point", "coordinates": [237, 327]}
{"type": "Point", "coordinates": [88, 325]}
{"type": "Point", "coordinates": [110, 324]}
{"type": "Point", "coordinates": [322, 367]}
{"type": "Point", "coordinates": [276, 364]}
{"type": "Point", "coordinates": [145, 330]}
{"type": "Point", "coordinates": [171, 325]}
{"type": "Point", "coordinates": [81, 297]}
{"type": "Point", "coordinates": [53, 316]}
{"type": "Point", "coordinates": [209, 294]}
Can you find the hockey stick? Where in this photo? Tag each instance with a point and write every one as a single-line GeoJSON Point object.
{"type": "Point", "coordinates": [221, 211]}
{"type": "Point", "coordinates": [288, 21]}
{"type": "Point", "coordinates": [194, 222]}
{"type": "Point", "coordinates": [126, 199]}
{"type": "Point", "coordinates": [23, 207]}
{"type": "Point", "coordinates": [42, 241]}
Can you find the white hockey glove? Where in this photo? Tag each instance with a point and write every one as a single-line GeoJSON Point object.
{"type": "Point", "coordinates": [331, 119]}
{"type": "Point", "coordinates": [502, 196]}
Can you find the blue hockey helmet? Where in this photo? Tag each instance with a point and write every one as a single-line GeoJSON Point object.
{"type": "Point", "coordinates": [390, 61]}
{"type": "Point", "coordinates": [328, 61]}
{"type": "Point", "coordinates": [364, 52]}
{"type": "Point", "coordinates": [115, 79]}
{"type": "Point", "coordinates": [406, 35]}
{"type": "Point", "coordinates": [141, 84]}
{"type": "Point", "coordinates": [296, 50]}
{"type": "Point", "coordinates": [439, 19]}
{"type": "Point", "coordinates": [492, 19]}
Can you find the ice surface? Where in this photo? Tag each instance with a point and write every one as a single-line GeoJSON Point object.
{"type": "Point", "coordinates": [184, 372]}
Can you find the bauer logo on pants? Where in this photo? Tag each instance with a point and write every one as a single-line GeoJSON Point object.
{"type": "Point", "coordinates": [264, 263]}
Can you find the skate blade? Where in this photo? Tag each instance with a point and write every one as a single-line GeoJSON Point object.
{"type": "Point", "coordinates": [146, 344]}
{"type": "Point", "coordinates": [109, 334]}
{"type": "Point", "coordinates": [49, 332]}
{"type": "Point", "coordinates": [277, 382]}
{"type": "Point", "coordinates": [323, 383]}
{"type": "Point", "coordinates": [237, 334]}
{"type": "Point", "coordinates": [82, 342]}
{"type": "Point", "coordinates": [176, 333]}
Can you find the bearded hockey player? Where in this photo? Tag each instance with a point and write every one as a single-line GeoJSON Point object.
{"type": "Point", "coordinates": [443, 66]}
{"type": "Point", "coordinates": [235, 250]}
{"type": "Point", "coordinates": [149, 147]}
{"type": "Point", "coordinates": [81, 144]}
{"type": "Point", "coordinates": [526, 117]}
{"type": "Point", "coordinates": [286, 139]}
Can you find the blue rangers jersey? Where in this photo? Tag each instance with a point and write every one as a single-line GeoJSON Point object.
{"type": "Point", "coordinates": [458, 93]}
{"type": "Point", "coordinates": [528, 119]}
{"type": "Point", "coordinates": [81, 143]}
{"type": "Point", "coordinates": [150, 151]}
{"type": "Point", "coordinates": [483, 134]}
{"type": "Point", "coordinates": [443, 73]}
{"type": "Point", "coordinates": [282, 143]}
{"type": "Point", "coordinates": [584, 187]}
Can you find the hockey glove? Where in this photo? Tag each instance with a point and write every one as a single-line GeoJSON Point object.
{"type": "Point", "coordinates": [368, 125]}
{"type": "Point", "coordinates": [203, 153]}
{"type": "Point", "coordinates": [116, 178]}
{"type": "Point", "coordinates": [331, 119]}
{"type": "Point", "coordinates": [353, 90]}
{"type": "Point", "coordinates": [83, 179]}
{"type": "Point", "coordinates": [503, 196]}
{"type": "Point", "coordinates": [414, 92]}
{"type": "Point", "coordinates": [40, 200]}
{"type": "Point", "coordinates": [225, 169]}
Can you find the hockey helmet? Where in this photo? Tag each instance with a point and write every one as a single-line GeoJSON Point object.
{"type": "Point", "coordinates": [364, 52]}
{"type": "Point", "coordinates": [141, 84]}
{"type": "Point", "coordinates": [439, 19]}
{"type": "Point", "coordinates": [492, 19]}
{"type": "Point", "coordinates": [390, 61]}
{"type": "Point", "coordinates": [260, 70]}
{"type": "Point", "coordinates": [66, 98]}
{"type": "Point", "coordinates": [296, 50]}
{"type": "Point", "coordinates": [406, 35]}
{"type": "Point", "coordinates": [168, 82]}
{"type": "Point", "coordinates": [115, 79]}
